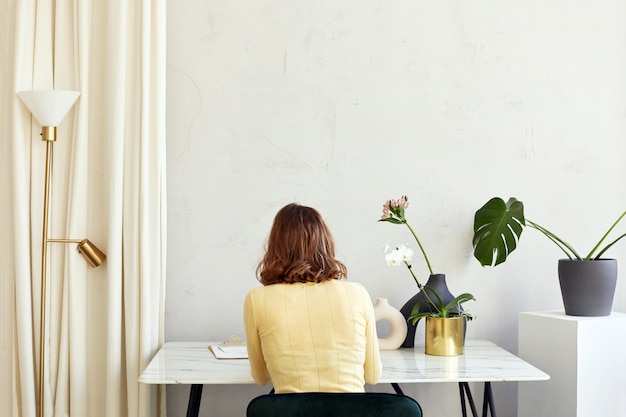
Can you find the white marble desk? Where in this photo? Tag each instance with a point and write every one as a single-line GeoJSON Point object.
{"type": "Point", "coordinates": [193, 363]}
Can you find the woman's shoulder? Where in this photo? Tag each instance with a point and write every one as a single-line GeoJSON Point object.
{"type": "Point", "coordinates": [256, 292]}
{"type": "Point", "coordinates": [267, 289]}
{"type": "Point", "coordinates": [351, 286]}
{"type": "Point", "coordinates": [348, 283]}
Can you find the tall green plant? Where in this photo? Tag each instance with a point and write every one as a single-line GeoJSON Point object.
{"type": "Point", "coordinates": [498, 227]}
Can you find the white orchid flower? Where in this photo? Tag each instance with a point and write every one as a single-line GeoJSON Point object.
{"type": "Point", "coordinates": [399, 255]}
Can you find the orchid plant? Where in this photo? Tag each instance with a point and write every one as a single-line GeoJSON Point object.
{"type": "Point", "coordinates": [393, 212]}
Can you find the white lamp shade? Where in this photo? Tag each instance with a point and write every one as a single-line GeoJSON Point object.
{"type": "Point", "coordinates": [49, 106]}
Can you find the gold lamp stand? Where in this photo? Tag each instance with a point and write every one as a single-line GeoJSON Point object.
{"type": "Point", "coordinates": [49, 107]}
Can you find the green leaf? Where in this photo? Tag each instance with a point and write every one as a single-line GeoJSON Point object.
{"type": "Point", "coordinates": [463, 298]}
{"type": "Point", "coordinates": [437, 309]}
{"type": "Point", "coordinates": [497, 228]}
{"type": "Point", "coordinates": [416, 315]}
{"type": "Point", "coordinates": [391, 220]}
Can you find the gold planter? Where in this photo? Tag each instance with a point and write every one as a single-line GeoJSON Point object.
{"type": "Point", "coordinates": [444, 337]}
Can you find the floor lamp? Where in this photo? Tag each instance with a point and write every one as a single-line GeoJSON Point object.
{"type": "Point", "coordinates": [49, 107]}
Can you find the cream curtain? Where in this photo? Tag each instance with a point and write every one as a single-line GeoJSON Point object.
{"type": "Point", "coordinates": [108, 185]}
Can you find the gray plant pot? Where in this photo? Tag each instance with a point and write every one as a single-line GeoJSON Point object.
{"type": "Point", "coordinates": [588, 287]}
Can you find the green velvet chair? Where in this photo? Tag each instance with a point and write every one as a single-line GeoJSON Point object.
{"type": "Point", "coordinates": [331, 404]}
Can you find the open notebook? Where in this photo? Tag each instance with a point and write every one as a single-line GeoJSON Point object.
{"type": "Point", "coordinates": [233, 348]}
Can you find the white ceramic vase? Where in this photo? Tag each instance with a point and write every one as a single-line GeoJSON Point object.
{"type": "Point", "coordinates": [384, 311]}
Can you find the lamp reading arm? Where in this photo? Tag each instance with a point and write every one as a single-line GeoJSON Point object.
{"type": "Point", "coordinates": [90, 252]}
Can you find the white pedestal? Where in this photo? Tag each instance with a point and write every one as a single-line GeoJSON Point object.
{"type": "Point", "coordinates": [585, 358]}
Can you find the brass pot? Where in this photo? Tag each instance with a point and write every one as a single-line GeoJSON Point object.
{"type": "Point", "coordinates": [444, 336]}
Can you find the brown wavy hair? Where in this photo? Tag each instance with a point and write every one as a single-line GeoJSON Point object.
{"type": "Point", "coordinates": [300, 248]}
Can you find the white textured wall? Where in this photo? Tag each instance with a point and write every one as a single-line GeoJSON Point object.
{"type": "Point", "coordinates": [343, 104]}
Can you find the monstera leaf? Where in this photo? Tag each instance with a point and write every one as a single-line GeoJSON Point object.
{"type": "Point", "coordinates": [497, 228]}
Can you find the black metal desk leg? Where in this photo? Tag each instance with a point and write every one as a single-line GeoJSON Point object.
{"type": "Point", "coordinates": [488, 403]}
{"type": "Point", "coordinates": [195, 395]}
{"type": "Point", "coordinates": [397, 388]}
{"type": "Point", "coordinates": [465, 389]}
{"type": "Point", "coordinates": [463, 406]}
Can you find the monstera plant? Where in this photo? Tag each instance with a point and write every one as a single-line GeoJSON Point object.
{"type": "Point", "coordinates": [498, 227]}
{"type": "Point", "coordinates": [587, 282]}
